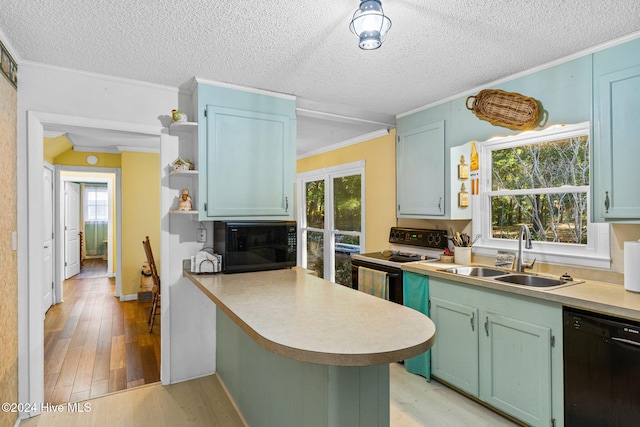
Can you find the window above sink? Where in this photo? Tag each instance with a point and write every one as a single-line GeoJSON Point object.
{"type": "Point", "coordinates": [541, 179]}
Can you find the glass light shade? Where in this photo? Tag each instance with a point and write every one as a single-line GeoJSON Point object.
{"type": "Point", "coordinates": [370, 24]}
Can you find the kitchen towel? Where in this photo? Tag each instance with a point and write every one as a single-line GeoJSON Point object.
{"type": "Point", "coordinates": [373, 282]}
{"type": "Point", "coordinates": [632, 266]}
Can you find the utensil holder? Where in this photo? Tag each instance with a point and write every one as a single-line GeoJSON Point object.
{"type": "Point", "coordinates": [462, 255]}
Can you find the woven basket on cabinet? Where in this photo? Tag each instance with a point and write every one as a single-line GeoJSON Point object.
{"type": "Point", "coordinates": [506, 109]}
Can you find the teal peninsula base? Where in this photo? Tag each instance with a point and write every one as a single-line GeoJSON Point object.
{"type": "Point", "coordinates": [271, 390]}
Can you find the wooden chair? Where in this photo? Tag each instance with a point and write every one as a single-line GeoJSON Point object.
{"type": "Point", "coordinates": [155, 299]}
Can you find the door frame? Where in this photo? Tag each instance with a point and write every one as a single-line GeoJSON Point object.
{"type": "Point", "coordinates": [31, 273]}
{"type": "Point", "coordinates": [52, 216]}
{"type": "Point", "coordinates": [329, 232]}
{"type": "Point", "coordinates": [110, 176]}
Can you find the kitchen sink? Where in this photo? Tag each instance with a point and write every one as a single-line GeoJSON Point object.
{"type": "Point", "coordinates": [505, 276]}
{"type": "Point", "coordinates": [530, 280]}
{"type": "Point", "coordinates": [477, 271]}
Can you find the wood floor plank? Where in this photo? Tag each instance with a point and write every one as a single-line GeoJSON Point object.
{"type": "Point", "coordinates": [84, 373]}
{"type": "Point", "coordinates": [118, 353]}
{"type": "Point", "coordinates": [99, 388]}
{"type": "Point", "coordinates": [69, 367]}
{"type": "Point", "coordinates": [102, 365]}
{"type": "Point", "coordinates": [53, 362]}
{"type": "Point", "coordinates": [133, 362]}
{"type": "Point", "coordinates": [117, 380]}
{"type": "Point", "coordinates": [117, 324]}
{"type": "Point", "coordinates": [150, 364]}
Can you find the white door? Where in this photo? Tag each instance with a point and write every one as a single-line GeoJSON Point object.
{"type": "Point", "coordinates": [47, 287]}
{"type": "Point", "coordinates": [71, 229]}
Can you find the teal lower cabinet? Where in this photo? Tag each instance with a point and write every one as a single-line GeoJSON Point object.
{"type": "Point", "coordinates": [454, 357]}
{"type": "Point", "coordinates": [415, 288]}
{"type": "Point", "coordinates": [516, 363]}
{"type": "Point", "coordinates": [502, 348]}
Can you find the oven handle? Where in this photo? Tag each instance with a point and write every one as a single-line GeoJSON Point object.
{"type": "Point", "coordinates": [626, 341]}
{"type": "Point", "coordinates": [394, 275]}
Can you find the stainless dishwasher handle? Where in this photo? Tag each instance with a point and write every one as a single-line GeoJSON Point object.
{"type": "Point", "coordinates": [626, 341]}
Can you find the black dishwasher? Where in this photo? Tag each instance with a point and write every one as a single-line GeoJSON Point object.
{"type": "Point", "coordinates": [601, 370]}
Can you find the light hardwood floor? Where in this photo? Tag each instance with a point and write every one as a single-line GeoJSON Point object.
{"type": "Point", "coordinates": [203, 402]}
{"type": "Point", "coordinates": [94, 343]}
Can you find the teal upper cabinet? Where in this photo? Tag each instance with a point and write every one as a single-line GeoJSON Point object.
{"type": "Point", "coordinates": [616, 133]}
{"type": "Point", "coordinates": [247, 155]}
{"type": "Point", "coordinates": [420, 171]}
{"type": "Point", "coordinates": [427, 184]}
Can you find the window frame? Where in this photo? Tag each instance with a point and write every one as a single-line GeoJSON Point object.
{"type": "Point", "coordinates": [597, 251]}
{"type": "Point", "coordinates": [95, 188]}
{"type": "Point", "coordinates": [329, 232]}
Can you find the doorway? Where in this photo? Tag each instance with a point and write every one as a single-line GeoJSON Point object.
{"type": "Point", "coordinates": [331, 220]}
{"type": "Point", "coordinates": [97, 214]}
{"type": "Point", "coordinates": [30, 225]}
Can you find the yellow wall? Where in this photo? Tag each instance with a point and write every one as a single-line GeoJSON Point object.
{"type": "Point", "coordinates": [8, 256]}
{"type": "Point", "coordinates": [53, 147]}
{"type": "Point", "coordinates": [379, 155]}
{"type": "Point", "coordinates": [74, 158]}
{"type": "Point", "coordinates": [140, 214]}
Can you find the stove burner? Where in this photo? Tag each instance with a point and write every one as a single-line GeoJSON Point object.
{"type": "Point", "coordinates": [404, 258]}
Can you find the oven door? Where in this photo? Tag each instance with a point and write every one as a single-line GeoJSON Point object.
{"type": "Point", "coordinates": [394, 275]}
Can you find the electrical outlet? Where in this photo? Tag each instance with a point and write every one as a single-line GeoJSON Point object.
{"type": "Point", "coordinates": [202, 235]}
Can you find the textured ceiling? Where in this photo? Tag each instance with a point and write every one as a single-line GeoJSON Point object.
{"type": "Point", "coordinates": [435, 49]}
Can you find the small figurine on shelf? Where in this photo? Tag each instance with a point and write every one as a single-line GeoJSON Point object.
{"type": "Point", "coordinates": [182, 165]}
{"type": "Point", "coordinates": [185, 201]}
{"type": "Point", "coordinates": [178, 116]}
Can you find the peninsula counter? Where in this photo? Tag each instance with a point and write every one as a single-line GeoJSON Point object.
{"type": "Point", "coordinates": [294, 349]}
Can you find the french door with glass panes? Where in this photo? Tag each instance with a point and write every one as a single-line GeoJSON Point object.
{"type": "Point", "coordinates": [331, 220]}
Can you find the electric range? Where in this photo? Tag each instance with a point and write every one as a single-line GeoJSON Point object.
{"type": "Point", "coordinates": [407, 245]}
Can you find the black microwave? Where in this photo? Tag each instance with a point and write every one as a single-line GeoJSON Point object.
{"type": "Point", "coordinates": [255, 245]}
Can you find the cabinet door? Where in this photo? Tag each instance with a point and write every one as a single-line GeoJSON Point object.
{"type": "Point", "coordinates": [618, 148]}
{"type": "Point", "coordinates": [616, 127]}
{"type": "Point", "coordinates": [250, 165]}
{"type": "Point", "coordinates": [415, 288]}
{"type": "Point", "coordinates": [420, 171]}
{"type": "Point", "coordinates": [515, 359]}
{"type": "Point", "coordinates": [455, 354]}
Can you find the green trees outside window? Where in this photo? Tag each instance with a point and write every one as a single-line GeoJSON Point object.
{"type": "Point", "coordinates": [543, 185]}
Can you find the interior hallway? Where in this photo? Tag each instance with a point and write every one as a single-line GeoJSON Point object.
{"type": "Point", "coordinates": [93, 343]}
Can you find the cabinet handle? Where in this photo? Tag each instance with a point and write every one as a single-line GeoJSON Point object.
{"type": "Point", "coordinates": [486, 325]}
{"type": "Point", "coordinates": [606, 201]}
{"type": "Point", "coordinates": [440, 204]}
{"type": "Point", "coordinates": [286, 204]}
{"type": "Point", "coordinates": [473, 318]}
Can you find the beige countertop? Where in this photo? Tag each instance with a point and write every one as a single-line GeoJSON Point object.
{"type": "Point", "coordinates": [300, 316]}
{"type": "Point", "coordinates": [590, 295]}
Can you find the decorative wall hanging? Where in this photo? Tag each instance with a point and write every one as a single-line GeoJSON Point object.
{"type": "Point", "coordinates": [8, 66]}
{"type": "Point", "coordinates": [507, 109]}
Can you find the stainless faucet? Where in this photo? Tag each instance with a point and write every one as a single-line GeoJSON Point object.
{"type": "Point", "coordinates": [524, 234]}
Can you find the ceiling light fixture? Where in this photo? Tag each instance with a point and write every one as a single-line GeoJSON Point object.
{"type": "Point", "coordinates": [370, 24]}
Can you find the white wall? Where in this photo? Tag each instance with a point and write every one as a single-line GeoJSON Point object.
{"type": "Point", "coordinates": [124, 104]}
